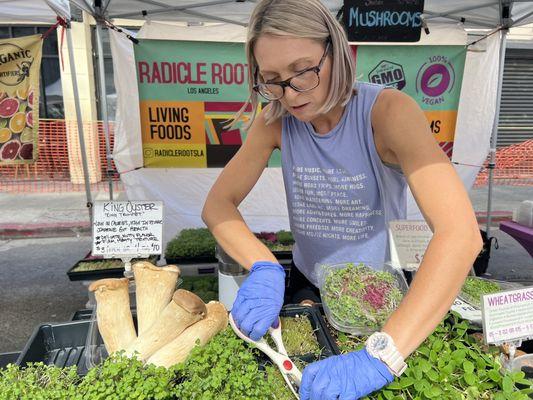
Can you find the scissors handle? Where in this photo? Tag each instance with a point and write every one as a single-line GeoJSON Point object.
{"type": "Point", "coordinates": [288, 369]}
{"type": "Point", "coordinates": [275, 333]}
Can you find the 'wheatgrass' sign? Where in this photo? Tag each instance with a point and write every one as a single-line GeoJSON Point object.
{"type": "Point", "coordinates": [508, 316]}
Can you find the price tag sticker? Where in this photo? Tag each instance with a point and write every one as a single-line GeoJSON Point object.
{"type": "Point", "coordinates": [123, 228]}
{"type": "Point", "coordinates": [508, 316]}
{"type": "Point", "coordinates": [467, 311]}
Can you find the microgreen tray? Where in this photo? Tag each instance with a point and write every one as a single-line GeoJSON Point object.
{"type": "Point", "coordinates": [95, 274]}
{"type": "Point", "coordinates": [323, 337]}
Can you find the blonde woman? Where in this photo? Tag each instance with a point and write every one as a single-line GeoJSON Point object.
{"type": "Point", "coordinates": [349, 148]}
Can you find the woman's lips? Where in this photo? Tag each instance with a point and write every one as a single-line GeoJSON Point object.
{"type": "Point", "coordinates": [298, 108]}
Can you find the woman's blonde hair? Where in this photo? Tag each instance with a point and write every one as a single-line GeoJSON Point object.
{"type": "Point", "coordinates": [303, 19]}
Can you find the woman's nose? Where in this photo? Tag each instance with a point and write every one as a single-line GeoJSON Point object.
{"type": "Point", "coordinates": [290, 94]}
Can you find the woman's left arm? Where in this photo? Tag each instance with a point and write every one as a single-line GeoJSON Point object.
{"type": "Point", "coordinates": [401, 126]}
{"type": "Point", "coordinates": [402, 136]}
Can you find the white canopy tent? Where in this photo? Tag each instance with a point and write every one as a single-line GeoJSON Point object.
{"type": "Point", "coordinates": [494, 15]}
{"type": "Point", "coordinates": [476, 13]}
{"type": "Point", "coordinates": [497, 15]}
{"type": "Point", "coordinates": [51, 12]}
{"type": "Point", "coordinates": [41, 11]}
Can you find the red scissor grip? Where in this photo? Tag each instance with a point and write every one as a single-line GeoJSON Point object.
{"type": "Point", "coordinates": [287, 365]}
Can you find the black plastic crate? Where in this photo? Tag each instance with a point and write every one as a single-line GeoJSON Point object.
{"type": "Point", "coordinates": [8, 358]}
{"type": "Point", "coordinates": [62, 345]}
{"type": "Point", "coordinates": [283, 255]}
{"type": "Point", "coordinates": [208, 259]}
{"type": "Point", "coordinates": [82, 315]}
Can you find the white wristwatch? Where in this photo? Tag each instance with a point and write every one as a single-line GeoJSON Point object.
{"type": "Point", "coordinates": [381, 346]}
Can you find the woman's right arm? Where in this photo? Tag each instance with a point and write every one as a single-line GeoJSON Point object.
{"type": "Point", "coordinates": [220, 212]}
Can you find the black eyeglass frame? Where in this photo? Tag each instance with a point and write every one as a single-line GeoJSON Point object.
{"type": "Point", "coordinates": [287, 82]}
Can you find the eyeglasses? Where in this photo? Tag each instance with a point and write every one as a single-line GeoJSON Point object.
{"type": "Point", "coordinates": [303, 81]}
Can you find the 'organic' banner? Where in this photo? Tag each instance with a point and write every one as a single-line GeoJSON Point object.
{"type": "Point", "coordinates": [20, 62]}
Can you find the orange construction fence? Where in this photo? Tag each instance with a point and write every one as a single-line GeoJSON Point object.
{"type": "Point", "coordinates": [51, 172]}
{"type": "Point", "coordinates": [514, 166]}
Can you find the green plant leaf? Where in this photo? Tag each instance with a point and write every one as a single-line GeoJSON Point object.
{"type": "Point", "coordinates": [433, 392]}
{"type": "Point", "coordinates": [470, 379]}
{"type": "Point", "coordinates": [468, 367]}
{"type": "Point", "coordinates": [406, 382]}
{"type": "Point", "coordinates": [438, 345]}
{"type": "Point", "coordinates": [507, 384]}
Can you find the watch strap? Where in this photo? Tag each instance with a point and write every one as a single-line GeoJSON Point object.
{"type": "Point", "coordinates": [394, 360]}
{"type": "Point", "coordinates": [390, 356]}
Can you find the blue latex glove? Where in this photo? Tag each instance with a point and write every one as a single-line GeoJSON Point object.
{"type": "Point", "coordinates": [259, 299]}
{"type": "Point", "coordinates": [346, 377]}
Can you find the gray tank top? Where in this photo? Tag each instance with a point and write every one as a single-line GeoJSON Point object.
{"type": "Point", "coordinates": [340, 195]}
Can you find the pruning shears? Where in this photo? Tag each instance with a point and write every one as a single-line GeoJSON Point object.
{"type": "Point", "coordinates": [288, 369]}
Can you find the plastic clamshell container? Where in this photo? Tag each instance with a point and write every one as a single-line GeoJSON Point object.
{"type": "Point", "coordinates": [523, 215]}
{"type": "Point", "coordinates": [476, 302]}
{"type": "Point", "coordinates": [523, 363]}
{"type": "Point", "coordinates": [365, 323]}
{"type": "Point", "coordinates": [95, 351]}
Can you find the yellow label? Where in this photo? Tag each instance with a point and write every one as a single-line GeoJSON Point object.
{"type": "Point", "coordinates": [172, 122]}
{"type": "Point", "coordinates": [442, 124]}
{"type": "Point", "coordinates": [163, 155]}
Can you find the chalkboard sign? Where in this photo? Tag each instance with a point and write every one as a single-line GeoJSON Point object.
{"type": "Point", "coordinates": [123, 228]}
{"type": "Point", "coordinates": [383, 20]}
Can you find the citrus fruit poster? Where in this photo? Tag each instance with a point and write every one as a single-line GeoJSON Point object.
{"type": "Point", "coordinates": [188, 92]}
{"type": "Point", "coordinates": [20, 61]}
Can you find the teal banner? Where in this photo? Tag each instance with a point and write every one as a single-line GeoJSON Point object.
{"type": "Point", "coordinates": [432, 75]}
{"type": "Point", "coordinates": [191, 71]}
{"type": "Point", "coordinates": [189, 90]}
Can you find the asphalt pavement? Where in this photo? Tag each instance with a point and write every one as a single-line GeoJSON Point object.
{"type": "Point", "coordinates": [35, 286]}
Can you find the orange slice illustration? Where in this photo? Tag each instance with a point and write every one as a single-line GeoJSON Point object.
{"type": "Point", "coordinates": [18, 122]}
{"type": "Point", "coordinates": [5, 135]}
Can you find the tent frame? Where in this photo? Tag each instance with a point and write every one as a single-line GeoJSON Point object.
{"type": "Point", "coordinates": [99, 12]}
{"type": "Point", "coordinates": [103, 105]}
{"type": "Point", "coordinates": [79, 122]}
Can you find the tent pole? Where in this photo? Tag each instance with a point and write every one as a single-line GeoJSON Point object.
{"type": "Point", "coordinates": [80, 123]}
{"type": "Point", "coordinates": [103, 105]}
{"type": "Point", "coordinates": [494, 136]}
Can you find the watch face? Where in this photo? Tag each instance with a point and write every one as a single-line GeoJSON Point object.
{"type": "Point", "coordinates": [380, 343]}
